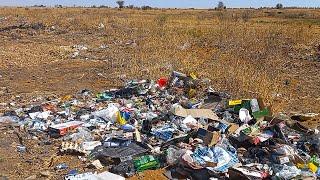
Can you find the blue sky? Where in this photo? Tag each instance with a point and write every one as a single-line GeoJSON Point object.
{"type": "Point", "coordinates": [166, 3]}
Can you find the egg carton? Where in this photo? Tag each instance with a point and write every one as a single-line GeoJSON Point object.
{"type": "Point", "coordinates": [72, 147]}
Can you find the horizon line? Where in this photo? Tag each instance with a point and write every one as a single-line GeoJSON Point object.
{"type": "Point", "coordinates": [126, 7]}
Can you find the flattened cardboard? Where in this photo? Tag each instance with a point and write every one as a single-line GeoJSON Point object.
{"type": "Point", "coordinates": [195, 113]}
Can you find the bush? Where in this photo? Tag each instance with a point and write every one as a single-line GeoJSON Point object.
{"type": "Point", "coordinates": [146, 7]}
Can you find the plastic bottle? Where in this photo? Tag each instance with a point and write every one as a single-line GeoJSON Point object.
{"type": "Point", "coordinates": [254, 105]}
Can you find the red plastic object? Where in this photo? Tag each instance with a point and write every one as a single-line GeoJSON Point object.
{"type": "Point", "coordinates": [162, 82]}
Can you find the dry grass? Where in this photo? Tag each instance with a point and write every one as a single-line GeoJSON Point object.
{"type": "Point", "coordinates": [249, 53]}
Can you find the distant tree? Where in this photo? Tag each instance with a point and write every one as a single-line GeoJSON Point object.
{"type": "Point", "coordinates": [39, 5]}
{"type": "Point", "coordinates": [146, 7]}
{"type": "Point", "coordinates": [120, 4]}
{"type": "Point", "coordinates": [131, 6]}
{"type": "Point", "coordinates": [279, 6]}
{"type": "Point", "coordinates": [103, 6]}
{"type": "Point", "coordinates": [221, 5]}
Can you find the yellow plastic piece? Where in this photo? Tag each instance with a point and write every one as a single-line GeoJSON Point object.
{"type": "Point", "coordinates": [300, 166]}
{"type": "Point", "coordinates": [235, 102]}
{"type": "Point", "coordinates": [192, 93]}
{"type": "Point", "coordinates": [193, 75]}
{"type": "Point", "coordinates": [66, 98]}
{"type": "Point", "coordinates": [313, 168]}
{"type": "Point", "coordinates": [120, 119]}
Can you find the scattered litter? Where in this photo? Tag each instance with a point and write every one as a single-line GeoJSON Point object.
{"type": "Point", "coordinates": [101, 26]}
{"type": "Point", "coordinates": [21, 149]}
{"type": "Point", "coordinates": [45, 173]}
{"type": "Point", "coordinates": [61, 166]}
{"type": "Point", "coordinates": [177, 122]}
{"type": "Point", "coordinates": [97, 164]}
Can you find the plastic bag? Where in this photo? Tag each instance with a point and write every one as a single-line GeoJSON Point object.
{"type": "Point", "coordinates": [8, 119]}
{"type": "Point", "coordinates": [83, 135]}
{"type": "Point", "coordinates": [111, 113]}
{"type": "Point", "coordinates": [174, 155]}
{"type": "Point", "coordinates": [244, 115]}
{"type": "Point", "coordinates": [286, 172]}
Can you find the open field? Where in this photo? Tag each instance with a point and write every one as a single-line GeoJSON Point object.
{"type": "Point", "coordinates": [268, 53]}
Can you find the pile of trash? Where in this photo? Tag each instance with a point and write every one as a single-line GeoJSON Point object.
{"type": "Point", "coordinates": [179, 124]}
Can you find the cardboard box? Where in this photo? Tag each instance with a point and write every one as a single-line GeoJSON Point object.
{"type": "Point", "coordinates": [64, 128]}
{"type": "Point", "coordinates": [208, 137]}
